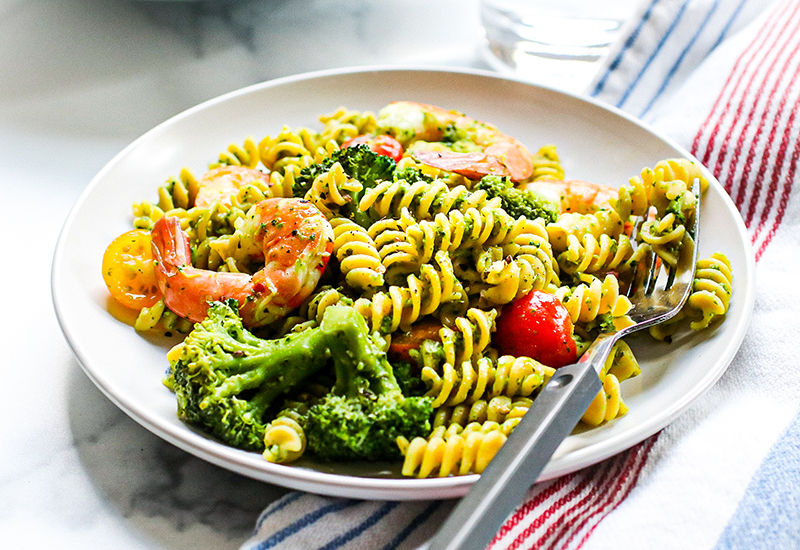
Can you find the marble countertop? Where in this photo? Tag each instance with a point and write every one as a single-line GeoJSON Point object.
{"type": "Point", "coordinates": [82, 79]}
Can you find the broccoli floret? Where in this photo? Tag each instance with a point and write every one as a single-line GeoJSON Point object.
{"type": "Point", "coordinates": [366, 410]}
{"type": "Point", "coordinates": [408, 379]}
{"type": "Point", "coordinates": [518, 202]}
{"type": "Point", "coordinates": [411, 174]}
{"type": "Point", "coordinates": [226, 379]}
{"type": "Point", "coordinates": [303, 181]}
{"type": "Point", "coordinates": [360, 163]}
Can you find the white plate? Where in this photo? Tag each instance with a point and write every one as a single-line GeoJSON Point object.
{"type": "Point", "coordinates": [596, 144]}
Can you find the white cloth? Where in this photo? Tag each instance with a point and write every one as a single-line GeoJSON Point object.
{"type": "Point", "coordinates": [721, 78]}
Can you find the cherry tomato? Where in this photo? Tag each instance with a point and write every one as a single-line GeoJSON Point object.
{"type": "Point", "coordinates": [129, 271]}
{"type": "Point", "coordinates": [380, 145]}
{"type": "Point", "coordinates": [537, 326]}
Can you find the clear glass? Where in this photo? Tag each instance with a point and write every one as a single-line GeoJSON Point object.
{"type": "Point", "coordinates": [559, 43]}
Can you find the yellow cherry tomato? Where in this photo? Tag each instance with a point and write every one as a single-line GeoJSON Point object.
{"type": "Point", "coordinates": [129, 270]}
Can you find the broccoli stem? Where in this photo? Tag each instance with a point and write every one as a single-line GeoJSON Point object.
{"type": "Point", "coordinates": [357, 357]}
{"type": "Point", "coordinates": [278, 365]}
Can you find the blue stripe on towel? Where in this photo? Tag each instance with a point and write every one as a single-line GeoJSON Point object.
{"type": "Point", "coordinates": [728, 25]}
{"type": "Point", "coordinates": [304, 522]}
{"type": "Point", "coordinates": [654, 53]}
{"type": "Point", "coordinates": [277, 507]}
{"type": "Point", "coordinates": [625, 47]}
{"type": "Point", "coordinates": [418, 520]}
{"type": "Point", "coordinates": [374, 518]}
{"type": "Point", "coordinates": [768, 516]}
{"type": "Point", "coordinates": [680, 59]}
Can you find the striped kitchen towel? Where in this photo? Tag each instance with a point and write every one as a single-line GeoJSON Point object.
{"type": "Point", "coordinates": [727, 474]}
{"type": "Point", "coordinates": [721, 78]}
{"type": "Point", "coordinates": [663, 45]}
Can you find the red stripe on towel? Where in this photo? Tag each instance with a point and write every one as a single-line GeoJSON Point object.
{"type": "Point", "coordinates": [757, 107]}
{"type": "Point", "coordinates": [562, 532]}
{"type": "Point", "coordinates": [729, 90]}
{"type": "Point", "coordinates": [532, 504]}
{"type": "Point", "coordinates": [625, 485]}
{"type": "Point", "coordinates": [596, 489]}
{"type": "Point", "coordinates": [746, 114]}
{"type": "Point", "coordinates": [781, 130]}
{"type": "Point", "coordinates": [563, 513]}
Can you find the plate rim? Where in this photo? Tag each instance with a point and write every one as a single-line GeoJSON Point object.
{"type": "Point", "coordinates": [378, 487]}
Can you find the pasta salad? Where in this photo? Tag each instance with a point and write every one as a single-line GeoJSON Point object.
{"type": "Point", "coordinates": [395, 286]}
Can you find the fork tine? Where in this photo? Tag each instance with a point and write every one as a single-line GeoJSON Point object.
{"type": "Point", "coordinates": [640, 266]}
{"type": "Point", "coordinates": [671, 270]}
{"type": "Point", "coordinates": [654, 268]}
{"type": "Point", "coordinates": [696, 222]}
{"type": "Point", "coordinates": [648, 271]}
{"type": "Point", "coordinates": [690, 257]}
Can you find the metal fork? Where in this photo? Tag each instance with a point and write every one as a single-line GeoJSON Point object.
{"type": "Point", "coordinates": [656, 296]}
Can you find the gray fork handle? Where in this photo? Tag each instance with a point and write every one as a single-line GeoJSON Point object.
{"type": "Point", "coordinates": [520, 461]}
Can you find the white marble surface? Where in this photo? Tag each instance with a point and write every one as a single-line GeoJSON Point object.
{"type": "Point", "coordinates": [79, 80]}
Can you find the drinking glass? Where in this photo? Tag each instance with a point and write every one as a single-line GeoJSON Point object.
{"type": "Point", "coordinates": [559, 43]}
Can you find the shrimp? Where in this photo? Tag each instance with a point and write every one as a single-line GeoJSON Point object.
{"type": "Point", "coordinates": [578, 196]}
{"type": "Point", "coordinates": [481, 148]}
{"type": "Point", "coordinates": [293, 238]}
{"type": "Point", "coordinates": [221, 183]}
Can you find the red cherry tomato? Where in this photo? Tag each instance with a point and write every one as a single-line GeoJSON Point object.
{"type": "Point", "coordinates": [380, 145]}
{"type": "Point", "coordinates": [537, 326]}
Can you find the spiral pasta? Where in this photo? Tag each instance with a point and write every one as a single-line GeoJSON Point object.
{"type": "Point", "coordinates": [287, 148]}
{"type": "Point", "coordinates": [660, 187]}
{"type": "Point", "coordinates": [512, 271]}
{"type": "Point", "coordinates": [423, 294]}
{"type": "Point", "coordinates": [592, 255]}
{"type": "Point", "coordinates": [284, 440]}
{"type": "Point", "coordinates": [455, 451]}
{"type": "Point", "coordinates": [344, 124]}
{"type": "Point", "coordinates": [423, 199]}
{"type": "Point", "coordinates": [235, 155]}
{"type": "Point", "coordinates": [608, 403]}
{"type": "Point", "coordinates": [712, 289]}
{"type": "Point", "coordinates": [358, 257]}
{"type": "Point", "coordinates": [547, 164]}
{"type": "Point", "coordinates": [603, 222]}
{"type": "Point", "coordinates": [709, 300]}
{"type": "Point", "coordinates": [593, 298]}
{"type": "Point", "coordinates": [330, 190]}
{"type": "Point", "coordinates": [467, 336]}
{"type": "Point", "coordinates": [484, 379]}
{"type": "Point", "coordinates": [497, 409]}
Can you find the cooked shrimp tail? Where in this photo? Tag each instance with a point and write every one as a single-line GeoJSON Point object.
{"type": "Point", "coordinates": [291, 237]}
{"type": "Point", "coordinates": [482, 148]}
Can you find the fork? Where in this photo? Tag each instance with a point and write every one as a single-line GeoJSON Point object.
{"type": "Point", "coordinates": [655, 297]}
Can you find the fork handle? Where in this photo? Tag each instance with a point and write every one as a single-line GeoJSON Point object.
{"type": "Point", "coordinates": [502, 486]}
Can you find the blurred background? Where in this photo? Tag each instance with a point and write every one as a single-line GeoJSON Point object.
{"type": "Point", "coordinates": [119, 67]}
